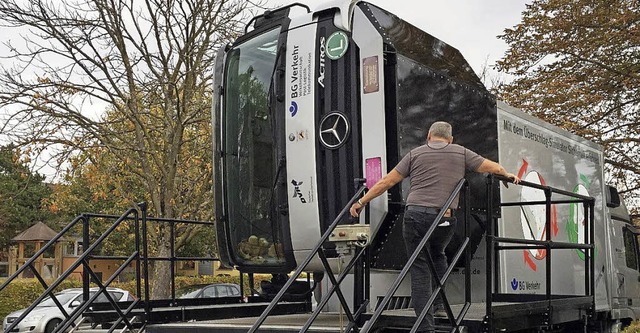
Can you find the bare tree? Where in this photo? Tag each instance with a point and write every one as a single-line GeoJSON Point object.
{"type": "Point", "coordinates": [148, 63]}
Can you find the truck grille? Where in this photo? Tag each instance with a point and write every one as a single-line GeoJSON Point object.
{"type": "Point", "coordinates": [337, 168]}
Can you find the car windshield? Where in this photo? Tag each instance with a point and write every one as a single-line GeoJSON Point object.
{"type": "Point", "coordinates": [65, 297]}
{"type": "Point", "coordinates": [62, 297]}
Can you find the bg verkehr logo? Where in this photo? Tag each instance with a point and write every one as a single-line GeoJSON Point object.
{"type": "Point", "coordinates": [293, 109]}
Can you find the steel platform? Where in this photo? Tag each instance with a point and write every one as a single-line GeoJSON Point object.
{"type": "Point", "coordinates": [507, 316]}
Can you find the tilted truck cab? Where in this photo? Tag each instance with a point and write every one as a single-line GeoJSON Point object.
{"type": "Point", "coordinates": [311, 102]}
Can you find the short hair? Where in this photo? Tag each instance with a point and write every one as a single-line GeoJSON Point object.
{"type": "Point", "coordinates": [441, 129]}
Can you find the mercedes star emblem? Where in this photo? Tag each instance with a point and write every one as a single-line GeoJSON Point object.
{"type": "Point", "coordinates": [334, 130]}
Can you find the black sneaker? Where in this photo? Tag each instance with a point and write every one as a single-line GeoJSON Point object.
{"type": "Point", "coordinates": [440, 313]}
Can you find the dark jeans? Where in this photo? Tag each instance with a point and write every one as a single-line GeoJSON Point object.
{"type": "Point", "coordinates": [414, 228]}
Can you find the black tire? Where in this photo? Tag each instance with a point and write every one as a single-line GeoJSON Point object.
{"type": "Point", "coordinates": [51, 325]}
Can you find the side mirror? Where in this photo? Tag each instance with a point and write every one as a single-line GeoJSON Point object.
{"type": "Point", "coordinates": [613, 197]}
{"type": "Point", "coordinates": [74, 304]}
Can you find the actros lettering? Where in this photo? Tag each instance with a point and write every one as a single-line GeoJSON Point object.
{"type": "Point", "coordinates": [321, 70]}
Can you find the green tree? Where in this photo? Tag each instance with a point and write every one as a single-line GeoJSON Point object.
{"type": "Point", "coordinates": [577, 65]}
{"type": "Point", "coordinates": [148, 63]}
{"type": "Point", "coordinates": [22, 195]}
{"type": "Point", "coordinates": [91, 185]}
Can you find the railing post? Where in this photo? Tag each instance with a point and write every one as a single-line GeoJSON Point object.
{"type": "Point", "coordinates": [587, 252]}
{"type": "Point", "coordinates": [85, 245]}
{"type": "Point", "coordinates": [547, 245]}
{"type": "Point", "coordinates": [138, 262]}
{"type": "Point", "coordinates": [592, 249]}
{"type": "Point", "coordinates": [367, 267]}
{"type": "Point", "coordinates": [145, 245]}
{"type": "Point", "coordinates": [251, 283]}
{"type": "Point", "coordinates": [172, 260]}
{"type": "Point", "coordinates": [489, 255]}
{"type": "Point", "coordinates": [468, 254]}
{"type": "Point", "coordinates": [359, 284]}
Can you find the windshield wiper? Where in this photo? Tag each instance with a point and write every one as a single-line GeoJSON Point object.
{"type": "Point", "coordinates": [276, 68]}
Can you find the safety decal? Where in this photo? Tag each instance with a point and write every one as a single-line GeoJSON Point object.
{"type": "Point", "coordinates": [576, 223]}
{"type": "Point", "coordinates": [337, 45]}
{"type": "Point", "coordinates": [522, 285]}
{"type": "Point", "coordinates": [533, 217]}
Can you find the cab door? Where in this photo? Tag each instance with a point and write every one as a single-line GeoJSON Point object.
{"type": "Point", "coordinates": [632, 269]}
{"type": "Point", "coordinates": [626, 286]}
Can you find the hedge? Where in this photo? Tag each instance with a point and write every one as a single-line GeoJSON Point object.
{"type": "Point", "coordinates": [633, 328]}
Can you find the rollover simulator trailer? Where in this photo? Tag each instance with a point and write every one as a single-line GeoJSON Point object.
{"type": "Point", "coordinates": [310, 104]}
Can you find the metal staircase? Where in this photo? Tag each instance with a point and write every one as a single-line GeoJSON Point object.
{"type": "Point", "coordinates": [497, 304]}
{"type": "Point", "coordinates": [357, 321]}
{"type": "Point", "coordinates": [88, 273]}
{"type": "Point", "coordinates": [123, 316]}
{"type": "Point", "coordinates": [352, 316]}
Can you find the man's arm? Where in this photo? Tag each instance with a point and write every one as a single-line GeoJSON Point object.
{"type": "Point", "coordinates": [387, 182]}
{"type": "Point", "coordinates": [496, 169]}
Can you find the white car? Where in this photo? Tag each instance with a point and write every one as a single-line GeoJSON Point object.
{"type": "Point", "coordinates": [46, 316]}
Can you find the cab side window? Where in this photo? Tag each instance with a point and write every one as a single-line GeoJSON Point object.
{"type": "Point", "coordinates": [630, 248]}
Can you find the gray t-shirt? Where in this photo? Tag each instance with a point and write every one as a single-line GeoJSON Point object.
{"type": "Point", "coordinates": [434, 170]}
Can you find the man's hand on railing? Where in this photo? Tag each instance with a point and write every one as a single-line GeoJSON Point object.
{"type": "Point", "coordinates": [515, 179]}
{"type": "Point", "coordinates": [356, 208]}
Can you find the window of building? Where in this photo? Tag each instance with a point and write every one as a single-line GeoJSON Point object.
{"type": "Point", "coordinates": [69, 248]}
{"type": "Point", "coordinates": [4, 269]}
{"type": "Point", "coordinates": [29, 250]}
{"type": "Point", "coordinates": [50, 252]}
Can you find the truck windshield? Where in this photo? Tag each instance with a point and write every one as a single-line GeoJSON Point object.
{"type": "Point", "coordinates": [249, 169]}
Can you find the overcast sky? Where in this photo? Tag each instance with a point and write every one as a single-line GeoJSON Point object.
{"type": "Point", "coordinates": [471, 26]}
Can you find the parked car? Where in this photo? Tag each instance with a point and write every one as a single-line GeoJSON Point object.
{"type": "Point", "coordinates": [46, 315]}
{"type": "Point", "coordinates": [210, 290]}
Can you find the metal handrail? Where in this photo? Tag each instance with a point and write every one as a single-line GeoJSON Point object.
{"type": "Point", "coordinates": [317, 250]}
{"type": "Point", "coordinates": [42, 250]}
{"type": "Point", "coordinates": [139, 256]}
{"type": "Point", "coordinates": [405, 270]}
{"type": "Point", "coordinates": [267, 13]}
{"type": "Point", "coordinates": [81, 260]}
{"type": "Point", "coordinates": [325, 298]}
{"type": "Point", "coordinates": [493, 242]}
{"type": "Point", "coordinates": [103, 289]}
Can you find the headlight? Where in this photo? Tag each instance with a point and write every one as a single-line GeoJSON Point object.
{"type": "Point", "coordinates": [33, 318]}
